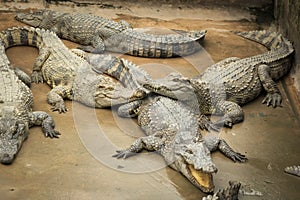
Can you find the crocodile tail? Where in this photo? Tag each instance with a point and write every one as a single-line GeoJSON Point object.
{"type": "Point", "coordinates": [294, 170]}
{"type": "Point", "coordinates": [150, 45]}
{"type": "Point", "coordinates": [196, 35]}
{"type": "Point", "coordinates": [17, 36]}
{"type": "Point", "coordinates": [270, 39]}
{"type": "Point", "coordinates": [126, 72]}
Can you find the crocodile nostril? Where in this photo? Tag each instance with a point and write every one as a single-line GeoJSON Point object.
{"type": "Point", "coordinates": [5, 155]}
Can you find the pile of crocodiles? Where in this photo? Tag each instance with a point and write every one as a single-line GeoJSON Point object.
{"type": "Point", "coordinates": [165, 108]}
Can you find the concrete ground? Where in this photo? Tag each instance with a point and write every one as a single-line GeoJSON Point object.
{"type": "Point", "coordinates": [79, 164]}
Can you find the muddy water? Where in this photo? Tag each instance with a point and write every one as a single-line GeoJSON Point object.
{"type": "Point", "coordinates": [79, 164]}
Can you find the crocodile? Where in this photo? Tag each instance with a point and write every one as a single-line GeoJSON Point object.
{"type": "Point", "coordinates": [97, 34]}
{"type": "Point", "coordinates": [294, 170]}
{"type": "Point", "coordinates": [229, 193]}
{"type": "Point", "coordinates": [16, 114]}
{"type": "Point", "coordinates": [227, 85]}
{"type": "Point", "coordinates": [69, 75]}
{"type": "Point", "coordinates": [172, 129]}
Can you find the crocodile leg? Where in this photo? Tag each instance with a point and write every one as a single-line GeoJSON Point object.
{"type": "Point", "coordinates": [229, 193]}
{"type": "Point", "coordinates": [36, 75]}
{"type": "Point", "coordinates": [273, 97]}
{"type": "Point", "coordinates": [233, 113]}
{"type": "Point", "coordinates": [97, 43]}
{"type": "Point", "coordinates": [206, 124]}
{"type": "Point", "coordinates": [40, 118]}
{"type": "Point", "coordinates": [56, 98]}
{"type": "Point", "coordinates": [150, 143]}
{"type": "Point", "coordinates": [214, 143]}
{"type": "Point", "coordinates": [22, 76]}
{"type": "Point", "coordinates": [130, 109]}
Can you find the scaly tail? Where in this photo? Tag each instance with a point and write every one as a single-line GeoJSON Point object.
{"type": "Point", "coordinates": [271, 40]}
{"type": "Point", "coordinates": [194, 35]}
{"type": "Point", "coordinates": [126, 72]}
{"type": "Point", "coordinates": [17, 36]}
{"type": "Point", "coordinates": [294, 170]}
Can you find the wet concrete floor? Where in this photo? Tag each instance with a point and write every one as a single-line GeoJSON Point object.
{"type": "Point", "coordinates": [79, 164]}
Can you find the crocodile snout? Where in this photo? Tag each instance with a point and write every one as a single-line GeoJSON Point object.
{"type": "Point", "coordinates": [6, 159]}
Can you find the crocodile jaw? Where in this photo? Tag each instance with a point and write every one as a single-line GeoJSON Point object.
{"type": "Point", "coordinates": [174, 86]}
{"type": "Point", "coordinates": [29, 19]}
{"type": "Point", "coordinates": [201, 179]}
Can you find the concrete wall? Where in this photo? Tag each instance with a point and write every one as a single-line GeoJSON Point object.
{"type": "Point", "coordinates": [287, 15]}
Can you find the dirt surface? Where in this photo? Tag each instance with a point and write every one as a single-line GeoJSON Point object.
{"type": "Point", "coordinates": [79, 164]}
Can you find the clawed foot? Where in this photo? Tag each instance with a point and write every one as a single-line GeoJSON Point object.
{"type": "Point", "coordinates": [237, 157]}
{"type": "Point", "coordinates": [206, 124]}
{"type": "Point", "coordinates": [52, 133]}
{"type": "Point", "coordinates": [60, 107]}
{"type": "Point", "coordinates": [37, 77]}
{"type": "Point", "coordinates": [230, 192]}
{"type": "Point", "coordinates": [123, 154]}
{"type": "Point", "coordinates": [272, 99]}
{"type": "Point", "coordinates": [224, 121]}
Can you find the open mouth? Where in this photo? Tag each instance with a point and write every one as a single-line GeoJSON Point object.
{"type": "Point", "coordinates": [202, 180]}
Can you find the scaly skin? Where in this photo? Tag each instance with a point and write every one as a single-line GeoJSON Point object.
{"type": "Point", "coordinates": [171, 129]}
{"type": "Point", "coordinates": [226, 85]}
{"type": "Point", "coordinates": [16, 115]}
{"type": "Point", "coordinates": [229, 193]}
{"type": "Point", "coordinates": [97, 34]}
{"type": "Point", "coordinates": [69, 75]}
{"type": "Point", "coordinates": [294, 170]}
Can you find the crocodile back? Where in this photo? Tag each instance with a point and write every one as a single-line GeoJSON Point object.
{"type": "Point", "coordinates": [279, 55]}
{"type": "Point", "coordinates": [136, 43]}
{"type": "Point", "coordinates": [237, 79]}
{"type": "Point", "coordinates": [163, 114]}
{"type": "Point", "coordinates": [60, 66]}
{"type": "Point", "coordinates": [13, 92]}
{"type": "Point", "coordinates": [82, 28]}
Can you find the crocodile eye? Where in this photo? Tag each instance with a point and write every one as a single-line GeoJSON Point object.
{"type": "Point", "coordinates": [189, 151]}
{"type": "Point", "coordinates": [19, 129]}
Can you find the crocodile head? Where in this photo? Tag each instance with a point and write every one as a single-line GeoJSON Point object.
{"type": "Point", "coordinates": [109, 93]}
{"type": "Point", "coordinates": [173, 85]}
{"type": "Point", "coordinates": [100, 91]}
{"type": "Point", "coordinates": [194, 161]}
{"type": "Point", "coordinates": [41, 18]}
{"type": "Point", "coordinates": [12, 134]}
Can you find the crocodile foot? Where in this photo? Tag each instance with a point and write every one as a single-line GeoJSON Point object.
{"type": "Point", "coordinates": [238, 157]}
{"type": "Point", "coordinates": [60, 107]}
{"type": "Point", "coordinates": [224, 121]}
{"type": "Point", "coordinates": [230, 153]}
{"type": "Point", "coordinates": [206, 124]}
{"type": "Point", "coordinates": [124, 154]}
{"type": "Point", "coordinates": [37, 77]}
{"type": "Point", "coordinates": [294, 170]}
{"type": "Point", "coordinates": [272, 99]}
{"type": "Point", "coordinates": [229, 193]}
{"type": "Point", "coordinates": [52, 133]}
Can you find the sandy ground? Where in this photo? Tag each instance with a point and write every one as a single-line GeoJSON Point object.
{"type": "Point", "coordinates": [79, 164]}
